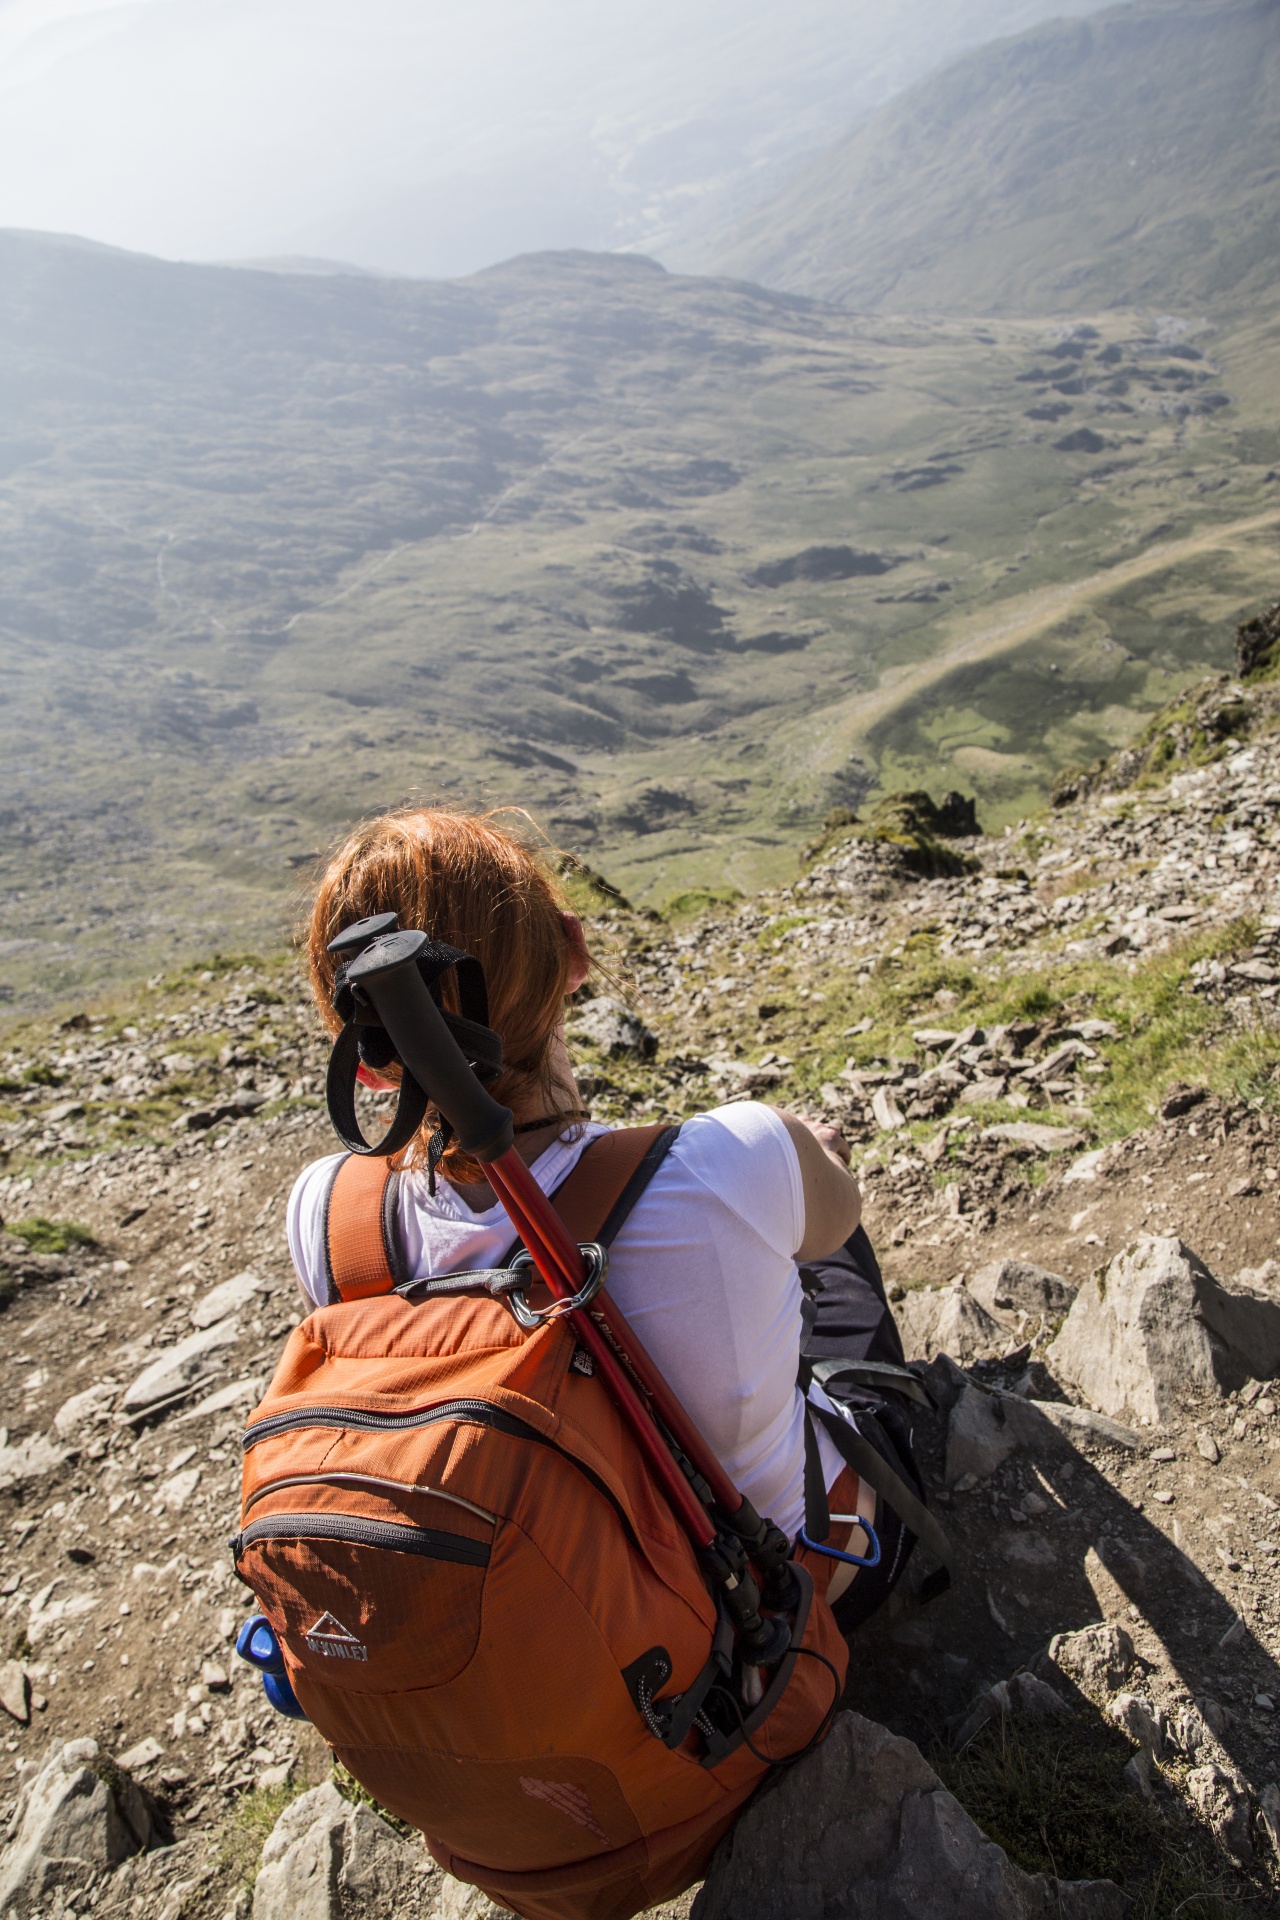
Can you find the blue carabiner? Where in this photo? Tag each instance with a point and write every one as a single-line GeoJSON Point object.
{"type": "Point", "coordinates": [851, 1559]}
{"type": "Point", "coordinates": [256, 1644]}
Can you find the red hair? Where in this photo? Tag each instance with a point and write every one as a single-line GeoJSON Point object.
{"type": "Point", "coordinates": [464, 880]}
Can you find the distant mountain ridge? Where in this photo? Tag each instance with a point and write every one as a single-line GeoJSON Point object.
{"type": "Point", "coordinates": [1132, 158]}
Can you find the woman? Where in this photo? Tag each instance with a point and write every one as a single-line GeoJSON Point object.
{"type": "Point", "coordinates": [706, 1266]}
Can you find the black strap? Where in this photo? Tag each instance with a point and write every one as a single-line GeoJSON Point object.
{"type": "Point", "coordinates": [391, 1242]}
{"type": "Point", "coordinates": [364, 1040]}
{"type": "Point", "coordinates": [625, 1203]}
{"type": "Point", "coordinates": [817, 1508]}
{"type": "Point", "coordinates": [872, 1467]}
{"type": "Point", "coordinates": [340, 1093]}
{"type": "Point", "coordinates": [877, 1374]}
{"type": "Point", "coordinates": [494, 1283]}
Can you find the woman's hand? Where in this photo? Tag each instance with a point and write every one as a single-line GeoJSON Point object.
{"type": "Point", "coordinates": [829, 1137]}
{"type": "Point", "coordinates": [832, 1200]}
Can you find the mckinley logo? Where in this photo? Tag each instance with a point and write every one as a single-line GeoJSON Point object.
{"type": "Point", "coordinates": [336, 1642]}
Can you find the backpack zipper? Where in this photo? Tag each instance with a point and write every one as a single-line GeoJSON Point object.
{"type": "Point", "coordinates": [480, 1413]}
{"type": "Point", "coordinates": [428, 1541]}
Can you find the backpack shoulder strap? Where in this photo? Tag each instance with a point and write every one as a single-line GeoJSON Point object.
{"type": "Point", "coordinates": [363, 1256]}
{"type": "Point", "coordinates": [597, 1197]}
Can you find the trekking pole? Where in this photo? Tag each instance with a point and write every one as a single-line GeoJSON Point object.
{"type": "Point", "coordinates": [386, 973]}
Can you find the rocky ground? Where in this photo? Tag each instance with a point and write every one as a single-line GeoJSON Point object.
{"type": "Point", "coordinates": [1040, 1061]}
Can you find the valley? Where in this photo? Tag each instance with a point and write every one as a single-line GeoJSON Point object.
{"type": "Point", "coordinates": [678, 564]}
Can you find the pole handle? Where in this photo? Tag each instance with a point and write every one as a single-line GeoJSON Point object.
{"type": "Point", "coordinates": [387, 975]}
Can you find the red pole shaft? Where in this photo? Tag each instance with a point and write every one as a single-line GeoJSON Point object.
{"type": "Point", "coordinates": [538, 1221]}
{"type": "Point", "coordinates": [513, 1189]}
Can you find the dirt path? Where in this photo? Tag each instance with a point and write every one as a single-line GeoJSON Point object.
{"type": "Point", "coordinates": [978, 636]}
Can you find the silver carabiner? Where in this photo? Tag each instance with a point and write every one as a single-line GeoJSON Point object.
{"type": "Point", "coordinates": [531, 1318]}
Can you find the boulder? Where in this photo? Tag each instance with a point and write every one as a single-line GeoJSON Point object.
{"type": "Point", "coordinates": [863, 1829]}
{"type": "Point", "coordinates": [329, 1859]}
{"type": "Point", "coordinates": [75, 1817]}
{"type": "Point", "coordinates": [613, 1028]}
{"type": "Point", "coordinates": [1099, 1659]}
{"type": "Point", "coordinates": [179, 1366]}
{"type": "Point", "coordinates": [1157, 1333]}
{"type": "Point", "coordinates": [1019, 1286]}
{"type": "Point", "coordinates": [985, 1428]}
{"type": "Point", "coordinates": [935, 1320]}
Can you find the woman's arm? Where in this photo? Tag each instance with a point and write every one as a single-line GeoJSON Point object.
{"type": "Point", "coordinates": [832, 1200]}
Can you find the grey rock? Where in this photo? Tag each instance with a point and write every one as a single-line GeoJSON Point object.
{"type": "Point", "coordinates": [1220, 1796]}
{"type": "Point", "coordinates": [458, 1901]}
{"type": "Point", "coordinates": [82, 1409]}
{"type": "Point", "coordinates": [1018, 1286]}
{"type": "Point", "coordinates": [329, 1859]}
{"type": "Point", "coordinates": [1269, 1816]}
{"type": "Point", "coordinates": [1024, 1697]}
{"type": "Point", "coordinates": [1157, 1334]}
{"type": "Point", "coordinates": [1135, 1714]}
{"type": "Point", "coordinates": [613, 1028]}
{"type": "Point", "coordinates": [935, 1320]}
{"type": "Point", "coordinates": [887, 1113]}
{"type": "Point", "coordinates": [226, 1299]}
{"type": "Point", "coordinates": [985, 1428]}
{"type": "Point", "coordinates": [1099, 1659]}
{"type": "Point", "coordinates": [867, 1831]}
{"type": "Point", "coordinates": [75, 1817]}
{"type": "Point", "coordinates": [1040, 1139]}
{"type": "Point", "coordinates": [31, 1459]}
{"type": "Point", "coordinates": [302, 1858]}
{"type": "Point", "coordinates": [1215, 1716]}
{"type": "Point", "coordinates": [15, 1691]}
{"type": "Point", "coordinates": [1082, 1424]}
{"type": "Point", "coordinates": [179, 1366]}
{"type": "Point", "coordinates": [1190, 1732]}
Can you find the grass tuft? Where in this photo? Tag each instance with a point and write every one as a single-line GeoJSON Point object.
{"type": "Point", "coordinates": [247, 1833]}
{"type": "Point", "coordinates": [51, 1236]}
{"type": "Point", "coordinates": [1058, 1804]}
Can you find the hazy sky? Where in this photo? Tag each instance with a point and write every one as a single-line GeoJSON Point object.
{"type": "Point", "coordinates": [424, 137]}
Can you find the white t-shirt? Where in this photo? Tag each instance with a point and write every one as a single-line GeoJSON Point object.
{"type": "Point", "coordinates": [703, 1269]}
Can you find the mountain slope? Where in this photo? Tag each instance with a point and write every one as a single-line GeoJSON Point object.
{"type": "Point", "coordinates": [435, 139]}
{"type": "Point", "coordinates": [1128, 159]}
{"type": "Point", "coordinates": [679, 564]}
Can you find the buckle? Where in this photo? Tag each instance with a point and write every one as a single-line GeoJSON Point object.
{"type": "Point", "coordinates": [531, 1318]}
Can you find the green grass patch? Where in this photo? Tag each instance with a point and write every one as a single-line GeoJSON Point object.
{"type": "Point", "coordinates": [698, 900]}
{"type": "Point", "coordinates": [42, 1075]}
{"type": "Point", "coordinates": [1056, 1801]}
{"type": "Point", "coordinates": [255, 1815]}
{"type": "Point", "coordinates": [1166, 1031]}
{"type": "Point", "coordinates": [43, 1235]}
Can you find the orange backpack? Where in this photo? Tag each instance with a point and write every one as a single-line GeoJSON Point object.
{"type": "Point", "coordinates": [483, 1602]}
